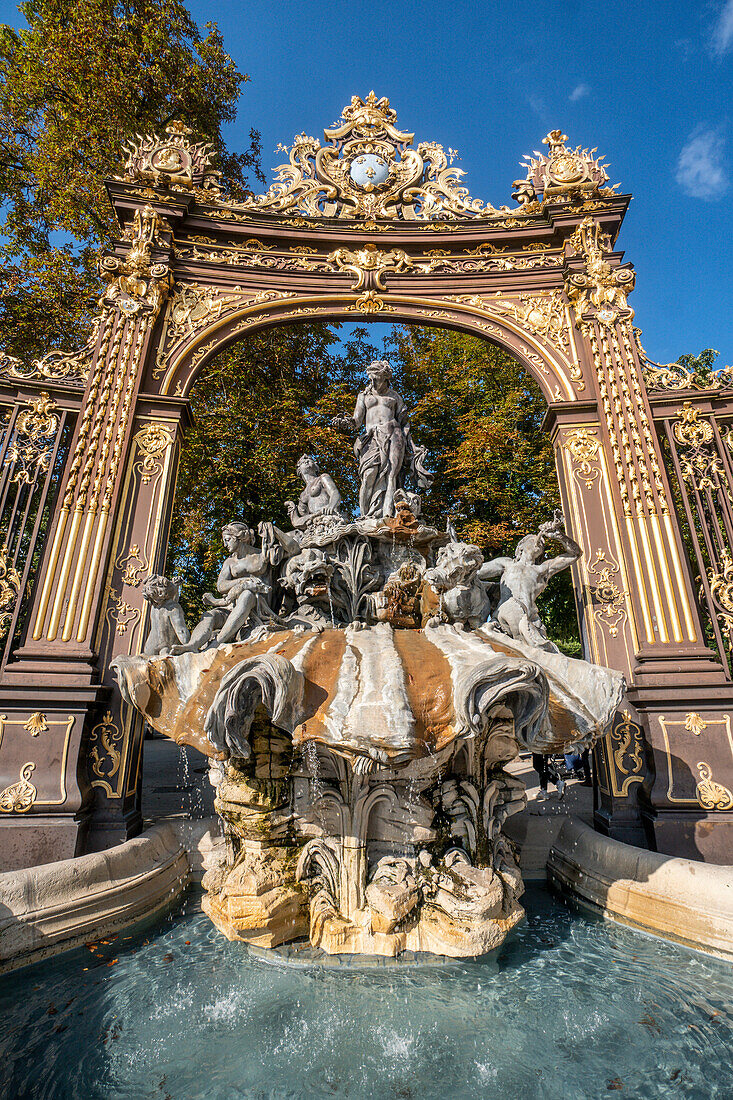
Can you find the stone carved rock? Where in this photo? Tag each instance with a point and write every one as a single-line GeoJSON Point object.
{"type": "Point", "coordinates": [167, 624]}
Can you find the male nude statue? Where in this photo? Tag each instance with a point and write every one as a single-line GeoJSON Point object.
{"type": "Point", "coordinates": [319, 496]}
{"type": "Point", "coordinates": [524, 577]}
{"type": "Point", "coordinates": [386, 441]}
{"type": "Point", "coordinates": [241, 582]}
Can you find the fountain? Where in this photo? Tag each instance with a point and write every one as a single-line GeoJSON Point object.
{"type": "Point", "coordinates": [360, 685]}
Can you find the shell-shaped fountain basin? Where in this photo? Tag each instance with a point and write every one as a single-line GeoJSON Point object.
{"type": "Point", "coordinates": [390, 694]}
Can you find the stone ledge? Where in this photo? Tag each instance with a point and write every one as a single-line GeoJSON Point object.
{"type": "Point", "coordinates": [58, 906]}
{"type": "Point", "coordinates": [678, 899]}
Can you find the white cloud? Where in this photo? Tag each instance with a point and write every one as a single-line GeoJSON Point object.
{"type": "Point", "coordinates": [723, 30]}
{"type": "Point", "coordinates": [701, 165]}
{"type": "Point", "coordinates": [582, 90]}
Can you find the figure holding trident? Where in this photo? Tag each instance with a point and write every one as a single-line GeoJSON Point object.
{"type": "Point", "coordinates": [385, 451]}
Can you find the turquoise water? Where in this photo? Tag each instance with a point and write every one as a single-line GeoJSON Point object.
{"type": "Point", "coordinates": [570, 1007]}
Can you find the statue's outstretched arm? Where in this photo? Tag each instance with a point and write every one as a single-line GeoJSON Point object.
{"type": "Point", "coordinates": [494, 568]}
{"type": "Point", "coordinates": [562, 561]}
{"type": "Point", "coordinates": [348, 423]}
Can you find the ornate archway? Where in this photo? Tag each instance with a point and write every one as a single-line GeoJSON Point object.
{"type": "Point", "coordinates": [363, 226]}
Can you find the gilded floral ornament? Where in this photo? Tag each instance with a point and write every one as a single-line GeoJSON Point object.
{"type": "Point", "coordinates": [583, 445]}
{"type": "Point", "coordinates": [153, 441]}
{"type": "Point", "coordinates": [609, 597]}
{"type": "Point", "coordinates": [37, 723]}
{"type": "Point", "coordinates": [104, 752]}
{"type": "Point", "coordinates": [690, 430]}
{"type": "Point", "coordinates": [19, 797]}
{"type": "Point", "coordinates": [710, 794]}
{"type": "Point", "coordinates": [171, 160]}
{"type": "Point", "coordinates": [627, 741]}
{"type": "Point", "coordinates": [368, 169]}
{"type": "Point", "coordinates": [561, 174]}
{"type": "Point", "coordinates": [695, 723]}
{"type": "Point", "coordinates": [70, 367]}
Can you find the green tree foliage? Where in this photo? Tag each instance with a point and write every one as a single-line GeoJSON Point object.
{"type": "Point", "coordinates": [268, 399]}
{"type": "Point", "coordinates": [79, 80]}
{"type": "Point", "coordinates": [700, 366]}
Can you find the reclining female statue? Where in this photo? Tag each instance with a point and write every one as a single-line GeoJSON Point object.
{"type": "Point", "coordinates": [244, 585]}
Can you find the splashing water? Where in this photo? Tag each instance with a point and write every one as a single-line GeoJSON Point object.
{"type": "Point", "coordinates": [568, 1008]}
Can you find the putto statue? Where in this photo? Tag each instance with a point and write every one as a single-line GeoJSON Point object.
{"type": "Point", "coordinates": [386, 452]}
{"type": "Point", "coordinates": [372, 678]}
{"type": "Point", "coordinates": [524, 577]}
{"type": "Point", "coordinates": [319, 496]}
{"type": "Point", "coordinates": [167, 624]}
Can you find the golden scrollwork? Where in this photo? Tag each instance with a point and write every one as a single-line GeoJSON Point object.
{"type": "Point", "coordinates": [543, 314]}
{"type": "Point", "coordinates": [695, 723]}
{"type": "Point", "coordinates": [31, 449]}
{"type": "Point", "coordinates": [599, 293]}
{"type": "Point", "coordinates": [9, 590]}
{"type": "Point", "coordinates": [690, 430]}
{"type": "Point", "coordinates": [721, 584]}
{"type": "Point", "coordinates": [370, 260]}
{"type": "Point", "coordinates": [137, 282]}
{"type": "Point", "coordinates": [133, 565]}
{"type": "Point", "coordinates": [104, 752]}
{"type": "Point", "coordinates": [611, 599]}
{"type": "Point", "coordinates": [584, 446]}
{"type": "Point", "coordinates": [710, 794]}
{"type": "Point", "coordinates": [370, 302]}
{"type": "Point", "coordinates": [626, 740]}
{"type": "Point", "coordinates": [37, 723]}
{"type": "Point", "coordinates": [368, 168]}
{"type": "Point", "coordinates": [19, 797]}
{"type": "Point", "coordinates": [122, 614]}
{"type": "Point", "coordinates": [152, 441]}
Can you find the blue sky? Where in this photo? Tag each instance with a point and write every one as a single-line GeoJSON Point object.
{"type": "Point", "coordinates": [649, 83]}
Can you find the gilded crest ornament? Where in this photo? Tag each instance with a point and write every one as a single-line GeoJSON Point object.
{"type": "Point", "coordinates": [369, 169]}
{"type": "Point", "coordinates": [171, 161]}
{"type": "Point", "coordinates": [137, 282]}
{"type": "Point", "coordinates": [690, 430]}
{"type": "Point", "coordinates": [562, 174]}
{"type": "Point", "coordinates": [369, 260]}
